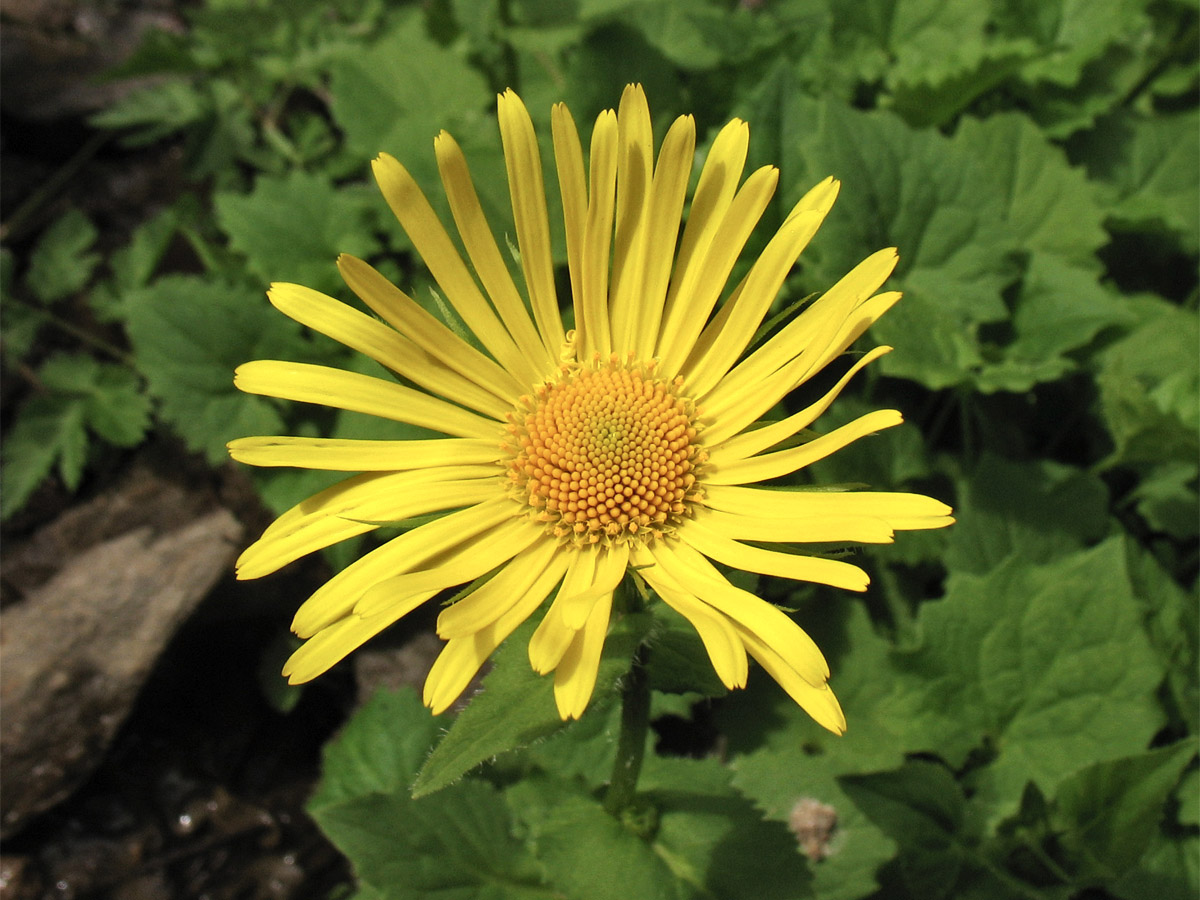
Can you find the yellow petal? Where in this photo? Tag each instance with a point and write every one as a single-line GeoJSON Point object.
{"type": "Point", "coordinates": [834, 528]}
{"type": "Point", "coordinates": [783, 462]}
{"type": "Point", "coordinates": [725, 648]}
{"type": "Point", "coordinates": [339, 389]}
{"type": "Point", "coordinates": [722, 452]}
{"type": "Point", "coordinates": [552, 637]}
{"type": "Point", "coordinates": [361, 504]}
{"type": "Point", "coordinates": [382, 344]}
{"type": "Point", "coordinates": [336, 598]}
{"type": "Point", "coordinates": [523, 161]}
{"type": "Point", "coordinates": [459, 662]}
{"type": "Point", "coordinates": [332, 644]}
{"type": "Point", "coordinates": [408, 317]}
{"type": "Point", "coordinates": [815, 699]}
{"type": "Point", "coordinates": [804, 342]}
{"type": "Point", "coordinates": [715, 545]}
{"type": "Point", "coordinates": [425, 230]}
{"type": "Point", "coordinates": [480, 243]}
{"type": "Point", "coordinates": [591, 305]}
{"type": "Point", "coordinates": [634, 175]}
{"type": "Point", "coordinates": [458, 566]}
{"type": "Point", "coordinates": [723, 341]}
{"type": "Point", "coordinates": [702, 283]}
{"type": "Point", "coordinates": [572, 185]}
{"type": "Point", "coordinates": [575, 675]}
{"type": "Point", "coordinates": [610, 569]}
{"type": "Point", "coordinates": [534, 571]}
{"type": "Point", "coordinates": [671, 176]}
{"type": "Point", "coordinates": [889, 505]}
{"type": "Point", "coordinates": [696, 575]}
{"type": "Point", "coordinates": [714, 192]}
{"type": "Point", "coordinates": [352, 455]}
{"type": "Point", "coordinates": [448, 679]}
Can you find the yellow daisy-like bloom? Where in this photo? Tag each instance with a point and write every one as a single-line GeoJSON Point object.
{"type": "Point", "coordinates": [630, 442]}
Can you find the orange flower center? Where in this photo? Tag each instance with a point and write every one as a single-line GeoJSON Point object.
{"type": "Point", "coordinates": [607, 452]}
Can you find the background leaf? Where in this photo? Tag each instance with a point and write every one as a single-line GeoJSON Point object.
{"type": "Point", "coordinates": [189, 335]}
{"type": "Point", "coordinates": [516, 706]}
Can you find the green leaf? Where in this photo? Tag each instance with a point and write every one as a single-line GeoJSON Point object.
{"type": "Point", "coordinates": [582, 751]}
{"type": "Point", "coordinates": [936, 57]}
{"type": "Point", "coordinates": [937, 102]}
{"type": "Point", "coordinates": [188, 335]}
{"type": "Point", "coordinates": [696, 35]}
{"type": "Point", "coordinates": [581, 846]}
{"type": "Point", "coordinates": [705, 840]}
{"type": "Point", "coordinates": [293, 228]}
{"type": "Point", "coordinates": [516, 706]}
{"type": "Point", "coordinates": [397, 95]}
{"type": "Point", "coordinates": [49, 429]}
{"type": "Point", "coordinates": [1151, 166]}
{"type": "Point", "coordinates": [22, 321]}
{"type": "Point", "coordinates": [1173, 624]}
{"type": "Point", "coordinates": [134, 264]}
{"type": "Point", "coordinates": [960, 209]}
{"type": "Point", "coordinates": [379, 751]}
{"type": "Point", "coordinates": [1061, 308]}
{"type": "Point", "coordinates": [110, 396]}
{"type": "Point", "coordinates": [1188, 795]}
{"type": "Point", "coordinates": [921, 807]}
{"type": "Point", "coordinates": [1149, 384]}
{"type": "Point", "coordinates": [711, 836]}
{"type": "Point", "coordinates": [1048, 664]}
{"type": "Point", "coordinates": [783, 758]}
{"type": "Point", "coordinates": [1033, 511]}
{"type": "Point", "coordinates": [61, 262]}
{"type": "Point", "coordinates": [1107, 813]}
{"type": "Point", "coordinates": [1169, 870]}
{"type": "Point", "coordinates": [1166, 499]}
{"type": "Point", "coordinates": [78, 395]}
{"type": "Point", "coordinates": [1070, 34]}
{"type": "Point", "coordinates": [454, 846]}
{"type": "Point", "coordinates": [678, 662]}
{"type": "Point", "coordinates": [154, 112]}
{"type": "Point", "coordinates": [1047, 205]}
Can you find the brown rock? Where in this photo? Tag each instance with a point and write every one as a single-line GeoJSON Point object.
{"type": "Point", "coordinates": [77, 648]}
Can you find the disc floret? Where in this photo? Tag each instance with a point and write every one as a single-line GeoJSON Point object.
{"type": "Point", "coordinates": [606, 451]}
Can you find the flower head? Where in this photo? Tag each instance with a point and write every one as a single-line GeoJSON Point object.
{"type": "Point", "coordinates": [630, 442]}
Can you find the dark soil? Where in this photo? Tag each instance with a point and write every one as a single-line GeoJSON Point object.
{"type": "Point", "coordinates": [202, 793]}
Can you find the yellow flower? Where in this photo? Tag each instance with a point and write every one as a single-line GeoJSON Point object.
{"type": "Point", "coordinates": [630, 442]}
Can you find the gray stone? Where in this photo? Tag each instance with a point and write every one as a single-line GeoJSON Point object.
{"type": "Point", "coordinates": [77, 648]}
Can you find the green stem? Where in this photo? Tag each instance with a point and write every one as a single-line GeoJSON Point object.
{"type": "Point", "coordinates": [631, 744]}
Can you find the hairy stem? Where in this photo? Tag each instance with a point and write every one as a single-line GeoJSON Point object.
{"type": "Point", "coordinates": [631, 744]}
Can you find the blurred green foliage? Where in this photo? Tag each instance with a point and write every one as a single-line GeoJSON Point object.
{"type": "Point", "coordinates": [1021, 689]}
